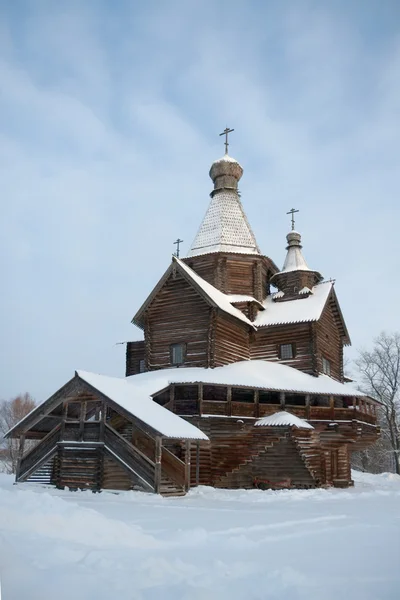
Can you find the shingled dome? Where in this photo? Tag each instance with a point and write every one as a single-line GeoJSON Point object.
{"type": "Point", "coordinates": [225, 227]}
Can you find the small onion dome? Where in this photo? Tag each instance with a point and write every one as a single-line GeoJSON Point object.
{"type": "Point", "coordinates": [294, 258]}
{"type": "Point", "coordinates": [226, 172]}
{"type": "Point", "coordinates": [226, 166]}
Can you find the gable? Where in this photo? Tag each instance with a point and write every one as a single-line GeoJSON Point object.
{"type": "Point", "coordinates": [333, 311]}
{"type": "Point", "coordinates": [208, 292]}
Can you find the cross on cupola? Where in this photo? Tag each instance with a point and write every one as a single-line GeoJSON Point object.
{"type": "Point", "coordinates": [291, 212]}
{"type": "Point", "coordinates": [177, 243]}
{"type": "Point", "coordinates": [226, 132]}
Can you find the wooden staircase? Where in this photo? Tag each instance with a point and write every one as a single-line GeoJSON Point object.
{"type": "Point", "coordinates": [44, 474]}
{"type": "Point", "coordinates": [277, 461]}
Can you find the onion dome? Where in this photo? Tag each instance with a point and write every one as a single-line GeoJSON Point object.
{"type": "Point", "coordinates": [295, 260]}
{"type": "Point", "coordinates": [225, 173]}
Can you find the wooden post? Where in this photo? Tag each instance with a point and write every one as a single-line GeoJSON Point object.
{"type": "Point", "coordinates": [308, 397]}
{"type": "Point", "coordinates": [256, 404]}
{"type": "Point", "coordinates": [229, 401]}
{"type": "Point", "coordinates": [197, 463]}
{"type": "Point", "coordinates": [63, 419]}
{"type": "Point", "coordinates": [82, 420]}
{"type": "Point", "coordinates": [20, 455]}
{"type": "Point", "coordinates": [157, 474]}
{"type": "Point", "coordinates": [200, 399]}
{"type": "Point", "coordinates": [332, 407]}
{"type": "Point", "coordinates": [172, 397]}
{"type": "Point", "coordinates": [282, 400]}
{"type": "Point", "coordinates": [103, 422]}
{"type": "Point", "coordinates": [187, 466]}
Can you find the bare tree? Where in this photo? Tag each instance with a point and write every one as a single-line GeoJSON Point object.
{"type": "Point", "coordinates": [380, 378]}
{"type": "Point", "coordinates": [11, 412]}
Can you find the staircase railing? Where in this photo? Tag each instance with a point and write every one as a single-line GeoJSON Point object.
{"type": "Point", "coordinates": [39, 454]}
{"type": "Point", "coordinates": [130, 457]}
{"type": "Point", "coordinates": [173, 467]}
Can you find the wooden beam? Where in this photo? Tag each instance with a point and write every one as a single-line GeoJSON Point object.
{"type": "Point", "coordinates": [229, 401]}
{"type": "Point", "coordinates": [82, 420]}
{"type": "Point", "coordinates": [197, 463]}
{"type": "Point", "coordinates": [200, 399]}
{"type": "Point", "coordinates": [282, 400]}
{"type": "Point", "coordinates": [172, 397]}
{"type": "Point", "coordinates": [332, 407]}
{"type": "Point", "coordinates": [308, 397]}
{"type": "Point", "coordinates": [157, 473]}
{"type": "Point", "coordinates": [256, 404]}
{"type": "Point", "coordinates": [20, 454]}
{"type": "Point", "coordinates": [187, 466]}
{"type": "Point", "coordinates": [103, 422]}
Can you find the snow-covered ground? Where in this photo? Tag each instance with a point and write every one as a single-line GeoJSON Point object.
{"type": "Point", "coordinates": [317, 544]}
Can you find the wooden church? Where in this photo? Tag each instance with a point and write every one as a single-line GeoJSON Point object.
{"type": "Point", "coordinates": [235, 385]}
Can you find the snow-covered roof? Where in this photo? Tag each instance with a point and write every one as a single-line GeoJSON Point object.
{"type": "Point", "coordinates": [283, 418]}
{"type": "Point", "coordinates": [214, 296]}
{"type": "Point", "coordinates": [248, 373]}
{"type": "Point", "coordinates": [302, 310]}
{"type": "Point", "coordinates": [233, 298]}
{"type": "Point", "coordinates": [139, 404]}
{"type": "Point", "coordinates": [225, 227]}
{"type": "Point", "coordinates": [220, 299]}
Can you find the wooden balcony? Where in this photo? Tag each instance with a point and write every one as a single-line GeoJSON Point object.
{"type": "Point", "coordinates": [252, 403]}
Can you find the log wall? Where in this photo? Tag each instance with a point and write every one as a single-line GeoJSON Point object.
{"type": "Point", "coordinates": [265, 342]}
{"type": "Point", "coordinates": [231, 340]}
{"type": "Point", "coordinates": [177, 315]}
{"type": "Point", "coordinates": [135, 352]}
{"type": "Point", "coordinates": [235, 273]}
{"type": "Point", "coordinates": [329, 343]}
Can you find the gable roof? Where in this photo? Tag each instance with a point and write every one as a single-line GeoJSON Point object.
{"type": "Point", "coordinates": [140, 405]}
{"type": "Point", "coordinates": [283, 418]}
{"type": "Point", "coordinates": [134, 399]}
{"type": "Point", "coordinates": [225, 227]}
{"type": "Point", "coordinates": [304, 310]}
{"type": "Point", "coordinates": [210, 294]}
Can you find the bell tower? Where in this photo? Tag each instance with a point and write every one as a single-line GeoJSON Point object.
{"type": "Point", "coordinates": [225, 251]}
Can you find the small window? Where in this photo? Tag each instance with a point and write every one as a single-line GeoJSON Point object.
{"type": "Point", "coordinates": [177, 354]}
{"type": "Point", "coordinates": [286, 351]}
{"type": "Point", "coordinates": [326, 366]}
{"type": "Point", "coordinates": [141, 366]}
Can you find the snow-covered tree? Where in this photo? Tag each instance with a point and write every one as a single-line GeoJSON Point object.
{"type": "Point", "coordinates": [12, 411]}
{"type": "Point", "coordinates": [380, 378]}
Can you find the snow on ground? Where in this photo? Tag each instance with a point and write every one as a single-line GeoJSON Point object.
{"type": "Point", "coordinates": [211, 544]}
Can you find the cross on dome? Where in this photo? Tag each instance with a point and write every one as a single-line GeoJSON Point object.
{"type": "Point", "coordinates": [291, 212]}
{"type": "Point", "coordinates": [226, 132]}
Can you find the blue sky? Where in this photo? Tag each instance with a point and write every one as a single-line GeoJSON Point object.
{"type": "Point", "coordinates": [110, 114]}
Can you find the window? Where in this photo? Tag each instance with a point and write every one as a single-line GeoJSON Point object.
{"type": "Point", "coordinates": [242, 395]}
{"type": "Point", "coordinates": [326, 366]}
{"type": "Point", "coordinates": [286, 351]}
{"type": "Point", "coordinates": [177, 354]}
{"type": "Point", "coordinates": [141, 365]}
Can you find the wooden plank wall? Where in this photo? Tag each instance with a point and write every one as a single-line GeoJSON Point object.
{"type": "Point", "coordinates": [264, 345]}
{"type": "Point", "coordinates": [329, 343]}
{"type": "Point", "coordinates": [135, 352]}
{"type": "Point", "coordinates": [115, 477]}
{"type": "Point", "coordinates": [231, 460]}
{"type": "Point", "coordinates": [231, 340]}
{"type": "Point", "coordinates": [234, 273]}
{"type": "Point", "coordinates": [177, 315]}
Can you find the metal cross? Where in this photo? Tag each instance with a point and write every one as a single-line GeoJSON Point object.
{"type": "Point", "coordinates": [291, 212]}
{"type": "Point", "coordinates": [178, 241]}
{"type": "Point", "coordinates": [225, 133]}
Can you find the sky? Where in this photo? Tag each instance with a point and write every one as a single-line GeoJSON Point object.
{"type": "Point", "coordinates": [110, 114]}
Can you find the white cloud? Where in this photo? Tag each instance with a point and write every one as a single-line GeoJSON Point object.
{"type": "Point", "coordinates": [110, 123]}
